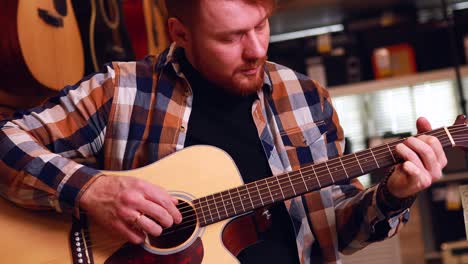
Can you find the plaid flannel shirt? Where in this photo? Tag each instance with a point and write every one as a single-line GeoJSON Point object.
{"type": "Point", "coordinates": [134, 113]}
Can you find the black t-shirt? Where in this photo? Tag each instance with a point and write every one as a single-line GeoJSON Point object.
{"type": "Point", "coordinates": [224, 120]}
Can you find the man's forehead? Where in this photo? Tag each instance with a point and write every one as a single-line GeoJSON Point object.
{"type": "Point", "coordinates": [231, 15]}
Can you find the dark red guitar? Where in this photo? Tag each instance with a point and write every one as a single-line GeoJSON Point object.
{"type": "Point", "coordinates": [146, 27]}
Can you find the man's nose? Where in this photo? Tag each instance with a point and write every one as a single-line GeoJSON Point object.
{"type": "Point", "coordinates": [254, 48]}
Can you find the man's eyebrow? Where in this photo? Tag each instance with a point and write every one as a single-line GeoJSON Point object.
{"type": "Point", "coordinates": [240, 31]}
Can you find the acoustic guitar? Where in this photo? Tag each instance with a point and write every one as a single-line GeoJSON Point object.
{"type": "Point", "coordinates": [40, 47]}
{"type": "Point", "coordinates": [146, 26]}
{"type": "Point", "coordinates": [103, 31]}
{"type": "Point", "coordinates": [214, 202]}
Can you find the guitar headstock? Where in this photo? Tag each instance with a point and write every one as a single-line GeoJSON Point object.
{"type": "Point", "coordinates": [459, 132]}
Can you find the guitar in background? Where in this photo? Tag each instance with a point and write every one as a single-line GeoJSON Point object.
{"type": "Point", "coordinates": [40, 50]}
{"type": "Point", "coordinates": [146, 26]}
{"type": "Point", "coordinates": [102, 28]}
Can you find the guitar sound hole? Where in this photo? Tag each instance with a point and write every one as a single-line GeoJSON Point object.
{"type": "Point", "coordinates": [177, 234]}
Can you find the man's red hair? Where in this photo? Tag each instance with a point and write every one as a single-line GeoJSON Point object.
{"type": "Point", "coordinates": [187, 10]}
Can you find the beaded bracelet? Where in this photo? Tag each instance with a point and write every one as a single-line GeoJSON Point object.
{"type": "Point", "coordinates": [391, 202]}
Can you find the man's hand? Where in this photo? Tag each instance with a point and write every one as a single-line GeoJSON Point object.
{"type": "Point", "coordinates": [424, 159]}
{"type": "Point", "coordinates": [125, 205]}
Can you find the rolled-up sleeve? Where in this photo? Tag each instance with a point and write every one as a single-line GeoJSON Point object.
{"type": "Point", "coordinates": [50, 154]}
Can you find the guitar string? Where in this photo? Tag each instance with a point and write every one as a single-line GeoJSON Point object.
{"type": "Point", "coordinates": [339, 168]}
{"type": "Point", "coordinates": [191, 219]}
{"type": "Point", "coordinates": [457, 138]}
{"type": "Point", "coordinates": [192, 215]}
{"type": "Point", "coordinates": [211, 215]}
{"type": "Point", "coordinates": [180, 227]}
{"type": "Point", "coordinates": [331, 167]}
{"type": "Point", "coordinates": [203, 205]}
{"type": "Point", "coordinates": [285, 177]}
{"type": "Point", "coordinates": [192, 222]}
{"type": "Point", "coordinates": [390, 143]}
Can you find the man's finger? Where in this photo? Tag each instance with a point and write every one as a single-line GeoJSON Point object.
{"type": "Point", "coordinates": [406, 153]}
{"type": "Point", "coordinates": [162, 197]}
{"type": "Point", "coordinates": [424, 153]}
{"type": "Point", "coordinates": [157, 212]}
{"type": "Point", "coordinates": [423, 125]}
{"type": "Point", "coordinates": [149, 226]}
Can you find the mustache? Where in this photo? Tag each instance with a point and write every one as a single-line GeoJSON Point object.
{"type": "Point", "coordinates": [253, 64]}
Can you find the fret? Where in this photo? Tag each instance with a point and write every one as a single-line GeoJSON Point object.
{"type": "Point", "coordinates": [303, 180]}
{"type": "Point", "coordinates": [250, 198]}
{"type": "Point", "coordinates": [326, 165]}
{"type": "Point", "coordinates": [272, 199]}
{"type": "Point", "coordinates": [209, 209]}
{"type": "Point", "coordinates": [391, 153]}
{"type": "Point", "coordinates": [240, 199]}
{"type": "Point", "coordinates": [232, 202]}
{"type": "Point", "coordinates": [294, 189]}
{"type": "Point", "coordinates": [259, 193]}
{"type": "Point", "coordinates": [225, 208]}
{"type": "Point", "coordinates": [344, 169]}
{"type": "Point", "coordinates": [252, 195]}
{"type": "Point", "coordinates": [374, 158]}
{"type": "Point", "coordinates": [197, 206]}
{"type": "Point", "coordinates": [273, 184]}
{"type": "Point", "coordinates": [355, 155]}
{"type": "Point", "coordinates": [216, 207]}
{"type": "Point", "coordinates": [281, 189]}
{"type": "Point", "coordinates": [313, 170]}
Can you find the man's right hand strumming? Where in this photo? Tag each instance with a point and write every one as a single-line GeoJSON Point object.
{"type": "Point", "coordinates": [128, 205]}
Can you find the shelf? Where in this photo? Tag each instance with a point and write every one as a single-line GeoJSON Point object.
{"type": "Point", "coordinates": [394, 82]}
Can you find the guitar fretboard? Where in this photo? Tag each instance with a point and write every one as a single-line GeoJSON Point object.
{"type": "Point", "coordinates": [248, 197]}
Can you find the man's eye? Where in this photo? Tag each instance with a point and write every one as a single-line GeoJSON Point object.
{"type": "Point", "coordinates": [231, 39]}
{"type": "Point", "coordinates": [261, 26]}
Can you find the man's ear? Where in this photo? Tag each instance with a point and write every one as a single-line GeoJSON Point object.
{"type": "Point", "coordinates": [179, 32]}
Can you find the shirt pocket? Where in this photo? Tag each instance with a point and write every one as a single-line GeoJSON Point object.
{"type": "Point", "coordinates": [303, 136]}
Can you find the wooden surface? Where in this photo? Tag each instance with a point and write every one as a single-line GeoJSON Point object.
{"type": "Point", "coordinates": [54, 55]}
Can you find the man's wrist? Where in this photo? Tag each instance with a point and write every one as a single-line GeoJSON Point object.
{"type": "Point", "coordinates": [388, 201]}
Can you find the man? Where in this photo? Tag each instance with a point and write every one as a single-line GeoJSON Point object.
{"type": "Point", "coordinates": [213, 86]}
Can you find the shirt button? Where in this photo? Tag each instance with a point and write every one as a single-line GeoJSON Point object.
{"type": "Point", "coordinates": [182, 129]}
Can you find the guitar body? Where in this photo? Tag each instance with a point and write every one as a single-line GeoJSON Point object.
{"type": "Point", "coordinates": [188, 174]}
{"type": "Point", "coordinates": [103, 31]}
{"type": "Point", "coordinates": [136, 25]}
{"type": "Point", "coordinates": [157, 32]}
{"type": "Point", "coordinates": [41, 48]}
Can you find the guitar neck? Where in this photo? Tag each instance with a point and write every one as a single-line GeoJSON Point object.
{"type": "Point", "coordinates": [254, 195]}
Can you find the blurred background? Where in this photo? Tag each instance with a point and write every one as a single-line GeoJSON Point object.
{"type": "Point", "coordinates": [385, 63]}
